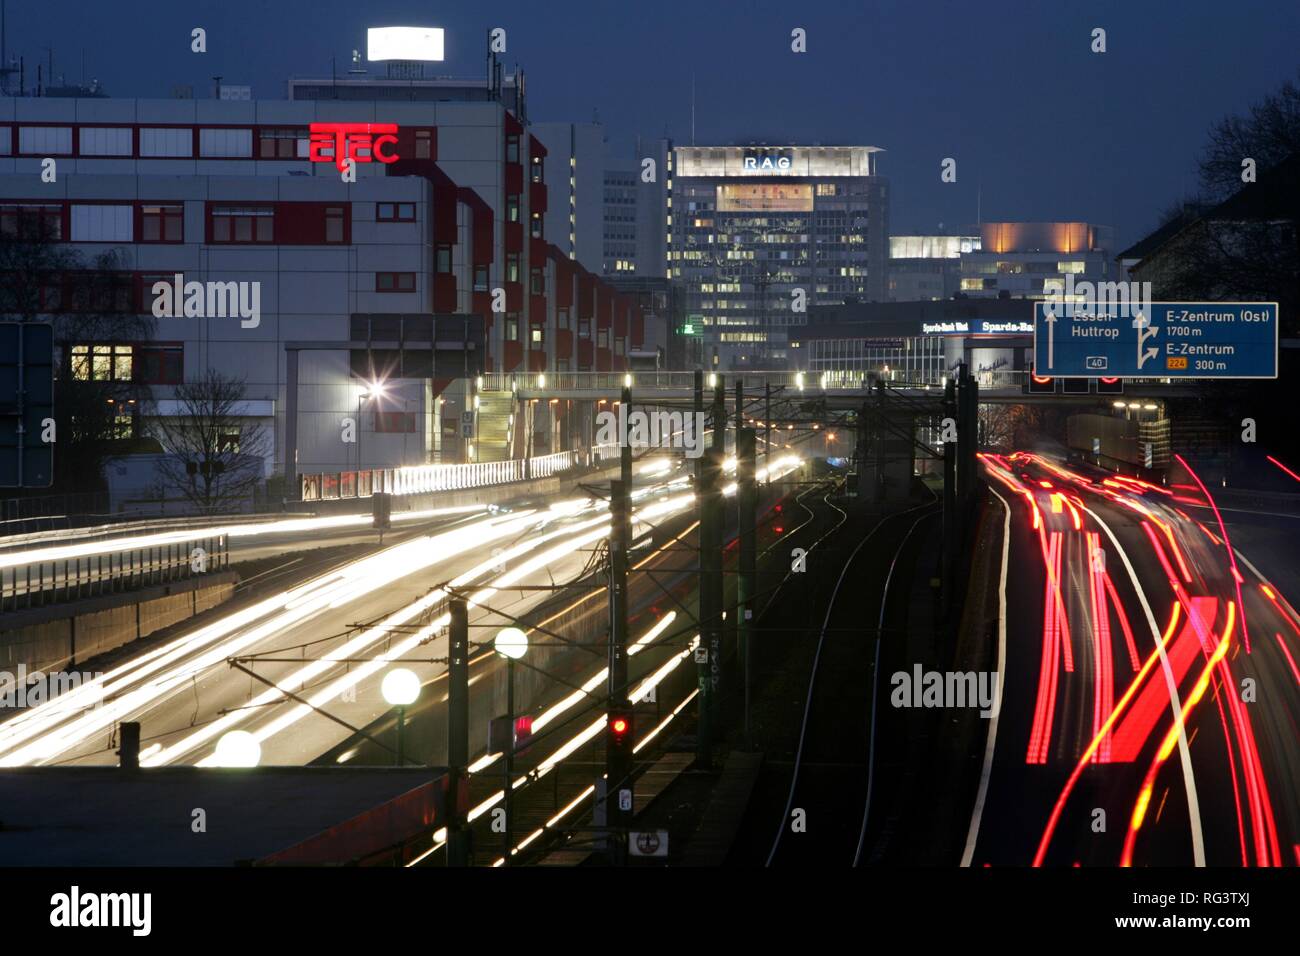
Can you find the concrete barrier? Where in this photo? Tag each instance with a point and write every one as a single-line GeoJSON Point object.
{"type": "Point", "coordinates": [53, 639]}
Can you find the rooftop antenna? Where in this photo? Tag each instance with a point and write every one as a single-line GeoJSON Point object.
{"type": "Point", "coordinates": [692, 107]}
{"type": "Point", "coordinates": [6, 70]}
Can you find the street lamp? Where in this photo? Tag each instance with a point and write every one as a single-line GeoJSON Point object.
{"type": "Point", "coordinates": [238, 748]}
{"type": "Point", "coordinates": [512, 644]}
{"type": "Point", "coordinates": [372, 390]}
{"type": "Point", "coordinates": [400, 688]}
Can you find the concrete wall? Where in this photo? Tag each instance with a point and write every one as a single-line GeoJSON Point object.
{"type": "Point", "coordinates": [44, 640]}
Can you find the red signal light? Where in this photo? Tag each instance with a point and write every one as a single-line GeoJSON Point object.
{"type": "Point", "coordinates": [618, 725]}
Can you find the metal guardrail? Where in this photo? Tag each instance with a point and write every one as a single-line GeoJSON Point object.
{"type": "Point", "coordinates": [811, 380]}
{"type": "Point", "coordinates": [422, 479]}
{"type": "Point", "coordinates": [1262, 502]}
{"type": "Point", "coordinates": [754, 382]}
{"type": "Point", "coordinates": [42, 583]}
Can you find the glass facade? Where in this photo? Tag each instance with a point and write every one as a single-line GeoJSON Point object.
{"type": "Point", "coordinates": [911, 359]}
{"type": "Point", "coordinates": [762, 235]}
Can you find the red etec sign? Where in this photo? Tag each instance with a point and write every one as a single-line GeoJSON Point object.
{"type": "Point", "coordinates": [361, 142]}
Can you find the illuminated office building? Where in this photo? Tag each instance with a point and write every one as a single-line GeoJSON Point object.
{"type": "Point", "coordinates": [754, 232]}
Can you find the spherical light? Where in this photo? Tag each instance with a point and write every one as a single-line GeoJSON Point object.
{"type": "Point", "coordinates": [400, 687]}
{"type": "Point", "coordinates": [511, 642]}
{"type": "Point", "coordinates": [238, 748]}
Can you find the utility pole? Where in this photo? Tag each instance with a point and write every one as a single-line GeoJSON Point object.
{"type": "Point", "coordinates": [458, 734]}
{"type": "Point", "coordinates": [731, 623]}
{"type": "Point", "coordinates": [703, 735]}
{"type": "Point", "coordinates": [746, 584]}
{"type": "Point", "coordinates": [619, 743]}
{"type": "Point", "coordinates": [967, 436]}
{"type": "Point", "coordinates": [767, 426]}
{"type": "Point", "coordinates": [711, 541]}
{"type": "Point", "coordinates": [950, 534]}
{"type": "Point", "coordinates": [625, 450]}
{"type": "Point", "coordinates": [879, 493]}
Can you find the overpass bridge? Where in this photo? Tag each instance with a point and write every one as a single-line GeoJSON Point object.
{"type": "Point", "coordinates": [1000, 386]}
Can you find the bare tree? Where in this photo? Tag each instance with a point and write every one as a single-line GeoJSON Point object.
{"type": "Point", "coordinates": [1268, 133]}
{"type": "Point", "coordinates": [213, 455]}
{"type": "Point", "coordinates": [1006, 428]}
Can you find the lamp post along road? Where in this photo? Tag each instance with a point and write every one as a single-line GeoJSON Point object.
{"type": "Point", "coordinates": [512, 644]}
{"type": "Point", "coordinates": [457, 732]}
{"type": "Point", "coordinates": [401, 688]}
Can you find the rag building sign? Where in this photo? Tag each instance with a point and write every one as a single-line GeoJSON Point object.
{"type": "Point", "coordinates": [768, 161]}
{"type": "Point", "coordinates": [361, 142]}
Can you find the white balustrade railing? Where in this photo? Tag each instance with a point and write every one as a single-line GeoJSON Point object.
{"type": "Point", "coordinates": [424, 479]}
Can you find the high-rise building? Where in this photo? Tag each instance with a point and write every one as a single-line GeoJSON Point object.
{"type": "Point", "coordinates": [636, 209]}
{"type": "Point", "coordinates": [575, 215]}
{"type": "Point", "coordinates": [759, 234]}
{"type": "Point", "coordinates": [619, 222]}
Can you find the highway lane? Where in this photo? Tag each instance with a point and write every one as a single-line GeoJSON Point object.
{"type": "Point", "coordinates": [1150, 698]}
{"type": "Point", "coordinates": [342, 628]}
{"type": "Point", "coordinates": [28, 570]}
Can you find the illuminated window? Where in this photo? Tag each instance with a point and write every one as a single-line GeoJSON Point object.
{"type": "Point", "coordinates": [102, 363]}
{"type": "Point", "coordinates": [123, 423]}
